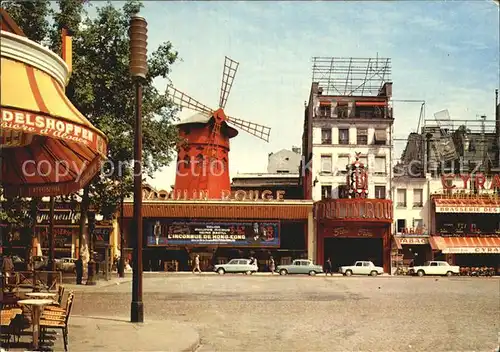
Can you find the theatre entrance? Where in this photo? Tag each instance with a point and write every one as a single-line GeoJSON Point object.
{"type": "Point", "coordinates": [345, 251]}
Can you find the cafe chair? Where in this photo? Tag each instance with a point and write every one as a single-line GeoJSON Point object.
{"type": "Point", "coordinates": [57, 321]}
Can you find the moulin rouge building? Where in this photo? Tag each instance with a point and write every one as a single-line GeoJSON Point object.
{"type": "Point", "coordinates": [203, 215]}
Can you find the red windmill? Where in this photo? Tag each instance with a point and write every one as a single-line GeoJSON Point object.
{"type": "Point", "coordinates": [203, 161]}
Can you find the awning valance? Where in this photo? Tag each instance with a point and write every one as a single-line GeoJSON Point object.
{"type": "Point", "coordinates": [466, 245]}
{"type": "Point", "coordinates": [467, 205]}
{"type": "Point", "coordinates": [220, 210]}
{"type": "Point", "coordinates": [371, 103]}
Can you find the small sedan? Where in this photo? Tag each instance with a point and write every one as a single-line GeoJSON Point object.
{"type": "Point", "coordinates": [300, 266]}
{"type": "Point", "coordinates": [236, 266]}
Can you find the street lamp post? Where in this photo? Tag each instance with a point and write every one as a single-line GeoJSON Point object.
{"type": "Point", "coordinates": [138, 70]}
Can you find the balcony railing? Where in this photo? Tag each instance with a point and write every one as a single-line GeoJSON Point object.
{"type": "Point", "coordinates": [326, 141]}
{"type": "Point", "coordinates": [418, 204]}
{"type": "Point", "coordinates": [401, 204]}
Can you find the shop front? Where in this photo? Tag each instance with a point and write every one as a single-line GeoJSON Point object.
{"type": "Point", "coordinates": [410, 250]}
{"type": "Point", "coordinates": [467, 231]}
{"type": "Point", "coordinates": [354, 229]}
{"type": "Point", "coordinates": [175, 231]}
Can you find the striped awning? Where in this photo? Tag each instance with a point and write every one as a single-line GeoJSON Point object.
{"type": "Point", "coordinates": [222, 210]}
{"type": "Point", "coordinates": [466, 244]}
{"type": "Point", "coordinates": [48, 146]}
{"type": "Point", "coordinates": [467, 205]}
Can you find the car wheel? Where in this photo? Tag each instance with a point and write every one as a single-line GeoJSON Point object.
{"type": "Point", "coordinates": [312, 273]}
{"type": "Point", "coordinates": [348, 273]}
{"type": "Point", "coordinates": [420, 273]}
{"type": "Point", "coordinates": [283, 272]}
{"type": "Point", "coordinates": [449, 273]}
{"type": "Point", "coordinates": [221, 271]}
{"type": "Point", "coordinates": [373, 273]}
{"type": "Point", "coordinates": [248, 272]}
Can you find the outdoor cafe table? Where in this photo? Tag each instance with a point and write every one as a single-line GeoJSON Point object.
{"type": "Point", "coordinates": [40, 295]}
{"type": "Point", "coordinates": [36, 309]}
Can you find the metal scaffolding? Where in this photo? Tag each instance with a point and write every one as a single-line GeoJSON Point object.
{"type": "Point", "coordinates": [351, 76]}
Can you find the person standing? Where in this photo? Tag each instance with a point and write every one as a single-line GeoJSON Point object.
{"type": "Point", "coordinates": [328, 267]}
{"type": "Point", "coordinates": [7, 268]}
{"type": "Point", "coordinates": [272, 266]}
{"type": "Point", "coordinates": [79, 270]}
{"type": "Point", "coordinates": [196, 266]}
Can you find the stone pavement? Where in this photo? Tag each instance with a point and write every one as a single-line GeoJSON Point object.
{"type": "Point", "coordinates": [118, 334]}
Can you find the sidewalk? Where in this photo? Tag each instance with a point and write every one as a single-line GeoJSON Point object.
{"type": "Point", "coordinates": [118, 334]}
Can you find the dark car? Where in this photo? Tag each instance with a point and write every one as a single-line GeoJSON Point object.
{"type": "Point", "coordinates": [19, 263]}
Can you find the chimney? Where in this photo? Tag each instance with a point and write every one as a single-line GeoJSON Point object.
{"type": "Point", "coordinates": [67, 48]}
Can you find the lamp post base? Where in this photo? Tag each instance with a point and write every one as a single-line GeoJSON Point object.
{"type": "Point", "coordinates": [137, 312]}
{"type": "Point", "coordinates": [91, 276]}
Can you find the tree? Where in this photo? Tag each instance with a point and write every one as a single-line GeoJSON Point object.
{"type": "Point", "coordinates": [101, 88]}
{"type": "Point", "coordinates": [31, 17]}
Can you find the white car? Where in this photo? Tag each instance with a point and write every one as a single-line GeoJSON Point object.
{"type": "Point", "coordinates": [237, 266]}
{"type": "Point", "coordinates": [362, 268]}
{"type": "Point", "coordinates": [435, 268]}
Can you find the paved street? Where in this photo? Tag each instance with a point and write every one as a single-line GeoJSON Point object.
{"type": "Point", "coordinates": [264, 313]}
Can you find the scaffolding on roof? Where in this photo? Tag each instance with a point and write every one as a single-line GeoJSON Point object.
{"type": "Point", "coordinates": [351, 76]}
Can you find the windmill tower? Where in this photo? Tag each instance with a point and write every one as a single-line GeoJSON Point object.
{"type": "Point", "coordinates": [203, 161]}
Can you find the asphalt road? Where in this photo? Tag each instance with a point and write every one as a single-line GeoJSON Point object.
{"type": "Point", "coordinates": [292, 313]}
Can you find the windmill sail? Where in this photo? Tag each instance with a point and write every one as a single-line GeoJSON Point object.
{"type": "Point", "coordinates": [228, 74]}
{"type": "Point", "coordinates": [183, 100]}
{"type": "Point", "coordinates": [255, 129]}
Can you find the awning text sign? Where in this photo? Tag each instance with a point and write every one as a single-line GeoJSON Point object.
{"type": "Point", "coordinates": [467, 209]}
{"type": "Point", "coordinates": [472, 250]}
{"type": "Point", "coordinates": [40, 124]}
{"type": "Point", "coordinates": [416, 240]}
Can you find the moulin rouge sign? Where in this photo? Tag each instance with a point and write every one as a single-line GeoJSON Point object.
{"type": "Point", "coordinates": [239, 195]}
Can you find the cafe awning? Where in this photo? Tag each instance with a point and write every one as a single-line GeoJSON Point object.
{"type": "Point", "coordinates": [466, 244]}
{"type": "Point", "coordinates": [467, 205]}
{"type": "Point", "coordinates": [48, 146]}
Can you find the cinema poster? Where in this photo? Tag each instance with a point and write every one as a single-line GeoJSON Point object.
{"type": "Point", "coordinates": [229, 234]}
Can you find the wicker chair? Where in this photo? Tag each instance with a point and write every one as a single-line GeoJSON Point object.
{"type": "Point", "coordinates": [57, 320]}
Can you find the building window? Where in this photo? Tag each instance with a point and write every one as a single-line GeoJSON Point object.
{"type": "Point", "coordinates": [325, 110]}
{"type": "Point", "coordinates": [326, 164]}
{"type": "Point", "coordinates": [401, 226]}
{"type": "Point", "coordinates": [343, 136]}
{"type": "Point", "coordinates": [380, 192]}
{"type": "Point", "coordinates": [342, 110]}
{"type": "Point", "coordinates": [343, 191]}
{"type": "Point", "coordinates": [362, 134]}
{"type": "Point", "coordinates": [326, 136]}
{"type": "Point", "coordinates": [380, 137]}
{"type": "Point", "coordinates": [342, 162]}
{"type": "Point", "coordinates": [380, 165]}
{"type": "Point", "coordinates": [401, 197]}
{"type": "Point", "coordinates": [326, 192]}
{"type": "Point", "coordinates": [418, 223]}
{"type": "Point", "coordinates": [418, 199]}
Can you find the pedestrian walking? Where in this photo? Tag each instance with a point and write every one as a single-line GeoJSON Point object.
{"type": "Point", "coordinates": [196, 266]}
{"type": "Point", "coordinates": [328, 267]}
{"type": "Point", "coordinates": [272, 266]}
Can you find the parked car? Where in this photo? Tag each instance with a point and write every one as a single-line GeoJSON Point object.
{"type": "Point", "coordinates": [19, 264]}
{"type": "Point", "coordinates": [435, 268]}
{"type": "Point", "coordinates": [66, 265]}
{"type": "Point", "coordinates": [40, 263]}
{"type": "Point", "coordinates": [300, 266]}
{"type": "Point", "coordinates": [361, 267]}
{"type": "Point", "coordinates": [236, 266]}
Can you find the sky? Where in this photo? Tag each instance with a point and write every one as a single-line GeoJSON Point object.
{"type": "Point", "coordinates": [446, 53]}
